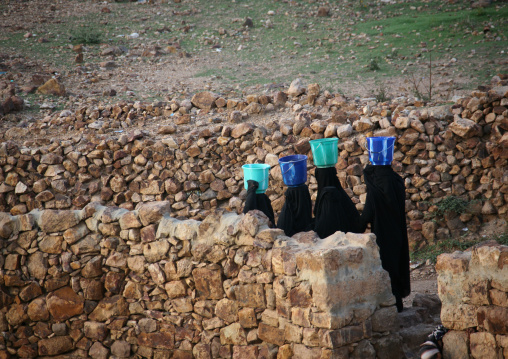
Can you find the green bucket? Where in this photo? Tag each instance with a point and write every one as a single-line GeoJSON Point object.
{"type": "Point", "coordinates": [325, 152]}
{"type": "Point", "coordinates": [258, 172]}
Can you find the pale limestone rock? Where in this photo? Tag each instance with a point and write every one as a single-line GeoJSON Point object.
{"type": "Point", "coordinates": [155, 251]}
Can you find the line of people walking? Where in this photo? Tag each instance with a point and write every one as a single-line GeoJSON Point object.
{"type": "Point", "coordinates": [334, 210]}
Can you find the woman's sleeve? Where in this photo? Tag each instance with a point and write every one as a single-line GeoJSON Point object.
{"type": "Point", "coordinates": [367, 215]}
{"type": "Point", "coordinates": [251, 201]}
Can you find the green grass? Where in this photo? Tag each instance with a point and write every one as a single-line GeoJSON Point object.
{"type": "Point", "coordinates": [432, 251]}
{"type": "Point", "coordinates": [360, 43]}
{"type": "Point", "coordinates": [450, 204]}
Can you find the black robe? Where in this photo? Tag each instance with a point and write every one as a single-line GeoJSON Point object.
{"type": "Point", "coordinates": [334, 211]}
{"type": "Point", "coordinates": [259, 201]}
{"type": "Point", "coordinates": [296, 213]}
{"type": "Point", "coordinates": [385, 210]}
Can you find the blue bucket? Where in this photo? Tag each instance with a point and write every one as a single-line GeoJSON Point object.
{"type": "Point", "coordinates": [294, 169]}
{"type": "Point", "coordinates": [325, 152]}
{"type": "Point", "coordinates": [258, 172]}
{"type": "Point", "coordinates": [380, 150]}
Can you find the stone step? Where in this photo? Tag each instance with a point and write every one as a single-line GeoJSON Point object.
{"type": "Point", "coordinates": [414, 336]}
{"type": "Point", "coordinates": [412, 316]}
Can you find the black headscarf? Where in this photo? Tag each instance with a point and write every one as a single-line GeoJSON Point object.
{"type": "Point", "coordinates": [296, 213]}
{"type": "Point", "coordinates": [334, 211]}
{"type": "Point", "coordinates": [385, 210]}
{"type": "Point", "coordinates": [259, 201]}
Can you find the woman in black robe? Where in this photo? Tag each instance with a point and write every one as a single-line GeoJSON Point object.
{"type": "Point", "coordinates": [385, 211]}
{"type": "Point", "coordinates": [259, 201]}
{"type": "Point", "coordinates": [334, 211]}
{"type": "Point", "coordinates": [296, 213]}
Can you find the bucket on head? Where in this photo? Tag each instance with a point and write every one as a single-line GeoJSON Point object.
{"type": "Point", "coordinates": [380, 150]}
{"type": "Point", "coordinates": [325, 152]}
{"type": "Point", "coordinates": [258, 172]}
{"type": "Point", "coordinates": [294, 169]}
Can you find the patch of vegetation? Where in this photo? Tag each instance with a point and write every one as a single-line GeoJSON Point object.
{"type": "Point", "coordinates": [448, 205]}
{"type": "Point", "coordinates": [431, 252]}
{"type": "Point", "coordinates": [86, 35]}
{"type": "Point", "coordinates": [289, 40]}
{"type": "Point", "coordinates": [381, 93]}
{"type": "Point", "coordinates": [373, 64]}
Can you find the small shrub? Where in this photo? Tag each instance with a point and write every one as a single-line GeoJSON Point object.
{"type": "Point", "coordinates": [382, 94]}
{"type": "Point", "coordinates": [86, 35]}
{"type": "Point", "coordinates": [373, 65]}
{"type": "Point", "coordinates": [448, 205]}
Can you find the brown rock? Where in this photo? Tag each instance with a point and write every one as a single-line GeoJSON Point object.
{"type": "Point", "coordinates": [227, 310]}
{"type": "Point", "coordinates": [56, 221]}
{"type": "Point", "coordinates": [37, 265]}
{"type": "Point", "coordinates": [54, 346]}
{"type": "Point", "coordinates": [204, 100]}
{"type": "Point", "coordinates": [208, 283]}
{"type": "Point", "coordinates": [483, 345]}
{"type": "Point", "coordinates": [161, 340]}
{"type": "Point", "coordinates": [72, 235]}
{"type": "Point", "coordinates": [280, 98]}
{"type": "Point", "coordinates": [410, 137]}
{"type": "Point", "coordinates": [296, 88]}
{"type": "Point", "coordinates": [251, 295]}
{"type": "Point", "coordinates": [455, 345]}
{"type": "Point", "coordinates": [93, 268]}
{"type": "Point", "coordinates": [52, 87]}
{"type": "Point", "coordinates": [64, 303]}
{"type": "Point", "coordinates": [302, 146]}
{"type": "Point", "coordinates": [176, 289]}
{"type": "Point", "coordinates": [494, 319]}
{"type": "Point", "coordinates": [270, 334]}
{"type": "Point", "coordinates": [323, 11]}
{"type": "Point", "coordinates": [98, 351]}
{"type": "Point", "coordinates": [241, 130]}
{"type": "Point", "coordinates": [109, 308]}
{"type": "Point", "coordinates": [16, 315]}
{"type": "Point", "coordinates": [6, 225]}
{"type": "Point", "coordinates": [51, 244]}
{"type": "Point", "coordinates": [121, 349]}
{"type": "Point", "coordinates": [31, 291]}
{"type": "Point", "coordinates": [152, 212]}
{"type": "Point", "coordinates": [95, 331]}
{"type": "Point", "coordinates": [37, 310]}
{"type": "Point", "coordinates": [247, 318]}
{"type": "Point", "coordinates": [464, 128]}
{"type": "Point", "coordinates": [233, 334]}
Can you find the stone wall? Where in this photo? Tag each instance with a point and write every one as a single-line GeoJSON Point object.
{"type": "Point", "coordinates": [473, 287]}
{"type": "Point", "coordinates": [195, 160]}
{"type": "Point", "coordinates": [108, 282]}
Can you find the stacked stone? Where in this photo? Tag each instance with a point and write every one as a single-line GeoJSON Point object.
{"type": "Point", "coordinates": [459, 150]}
{"type": "Point", "coordinates": [108, 282]}
{"type": "Point", "coordinates": [473, 287]}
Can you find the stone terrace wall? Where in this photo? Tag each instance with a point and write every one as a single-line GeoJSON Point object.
{"type": "Point", "coordinates": [459, 150]}
{"type": "Point", "coordinates": [473, 287]}
{"type": "Point", "coordinates": [107, 282]}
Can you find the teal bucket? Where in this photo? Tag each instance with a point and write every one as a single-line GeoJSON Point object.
{"type": "Point", "coordinates": [325, 152]}
{"type": "Point", "coordinates": [258, 172]}
{"type": "Point", "coordinates": [294, 170]}
{"type": "Point", "coordinates": [380, 150]}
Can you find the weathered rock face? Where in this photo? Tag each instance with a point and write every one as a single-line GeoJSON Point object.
{"type": "Point", "coordinates": [473, 287]}
{"type": "Point", "coordinates": [227, 287]}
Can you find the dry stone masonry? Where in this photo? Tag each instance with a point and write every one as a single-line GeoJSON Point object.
{"type": "Point", "coordinates": [473, 287]}
{"type": "Point", "coordinates": [111, 282]}
{"type": "Point", "coordinates": [195, 161]}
